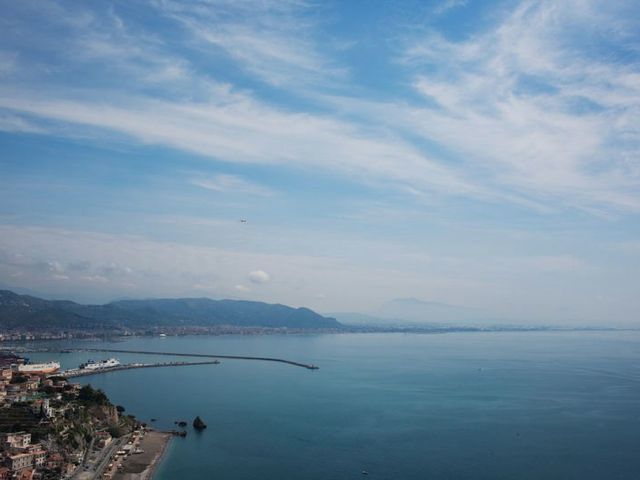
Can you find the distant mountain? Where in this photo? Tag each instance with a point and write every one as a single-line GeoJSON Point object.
{"type": "Point", "coordinates": [421, 311]}
{"type": "Point", "coordinates": [410, 312]}
{"type": "Point", "coordinates": [25, 311]}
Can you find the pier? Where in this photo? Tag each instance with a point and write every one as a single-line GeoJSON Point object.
{"type": "Point", "coordinates": [84, 372]}
{"type": "Point", "coordinates": [200, 355]}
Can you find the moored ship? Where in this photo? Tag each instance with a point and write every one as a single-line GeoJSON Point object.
{"type": "Point", "coordinates": [43, 368]}
{"type": "Point", "coordinates": [102, 364]}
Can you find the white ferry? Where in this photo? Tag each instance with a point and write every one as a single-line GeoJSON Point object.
{"type": "Point", "coordinates": [102, 364]}
{"type": "Point", "coordinates": [43, 368]}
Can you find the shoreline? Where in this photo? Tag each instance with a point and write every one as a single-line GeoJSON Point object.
{"type": "Point", "coordinates": [159, 458]}
{"type": "Point", "coordinates": [143, 466]}
{"type": "Point", "coordinates": [11, 344]}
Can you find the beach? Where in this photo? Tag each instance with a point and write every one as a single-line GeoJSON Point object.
{"type": "Point", "coordinates": [142, 466]}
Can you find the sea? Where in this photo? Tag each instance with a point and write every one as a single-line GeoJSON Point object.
{"type": "Point", "coordinates": [492, 405]}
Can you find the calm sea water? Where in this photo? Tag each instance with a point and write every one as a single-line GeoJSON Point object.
{"type": "Point", "coordinates": [454, 406]}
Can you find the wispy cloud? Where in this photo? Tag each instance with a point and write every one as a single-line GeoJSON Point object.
{"type": "Point", "coordinates": [272, 40]}
{"type": "Point", "coordinates": [232, 184]}
{"type": "Point", "coordinates": [239, 129]}
{"type": "Point", "coordinates": [447, 5]}
{"type": "Point", "coordinates": [539, 111]}
{"type": "Point", "coordinates": [14, 123]}
{"type": "Point", "coordinates": [527, 114]}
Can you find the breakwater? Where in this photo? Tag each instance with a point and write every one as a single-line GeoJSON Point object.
{"type": "Point", "coordinates": [200, 355]}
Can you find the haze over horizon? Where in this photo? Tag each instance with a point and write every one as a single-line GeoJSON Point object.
{"type": "Point", "coordinates": [479, 154]}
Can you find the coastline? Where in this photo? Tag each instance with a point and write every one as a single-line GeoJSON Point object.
{"type": "Point", "coordinates": [143, 466]}
{"type": "Point", "coordinates": [154, 465]}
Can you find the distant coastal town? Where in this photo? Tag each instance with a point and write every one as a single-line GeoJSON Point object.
{"type": "Point", "coordinates": [37, 334]}
{"type": "Point", "coordinates": [51, 428]}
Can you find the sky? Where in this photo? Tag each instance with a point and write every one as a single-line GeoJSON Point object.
{"type": "Point", "coordinates": [481, 154]}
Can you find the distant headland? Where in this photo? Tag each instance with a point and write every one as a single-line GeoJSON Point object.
{"type": "Point", "coordinates": [25, 313]}
{"type": "Point", "coordinates": [25, 317]}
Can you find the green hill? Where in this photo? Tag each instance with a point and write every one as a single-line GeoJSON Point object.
{"type": "Point", "coordinates": [28, 312]}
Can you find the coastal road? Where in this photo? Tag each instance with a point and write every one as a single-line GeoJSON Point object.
{"type": "Point", "coordinates": [95, 473]}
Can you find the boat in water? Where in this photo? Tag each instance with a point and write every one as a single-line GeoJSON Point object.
{"type": "Point", "coordinates": [100, 365]}
{"type": "Point", "coordinates": [39, 368]}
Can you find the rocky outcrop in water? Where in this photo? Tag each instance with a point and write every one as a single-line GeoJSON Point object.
{"type": "Point", "coordinates": [198, 424]}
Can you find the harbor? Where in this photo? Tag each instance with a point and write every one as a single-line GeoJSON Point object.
{"type": "Point", "coordinates": [178, 354]}
{"type": "Point", "coordinates": [83, 372]}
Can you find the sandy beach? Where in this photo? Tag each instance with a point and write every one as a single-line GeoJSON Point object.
{"type": "Point", "coordinates": [142, 466]}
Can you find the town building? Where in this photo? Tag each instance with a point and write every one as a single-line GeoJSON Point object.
{"type": "Point", "coordinates": [15, 440]}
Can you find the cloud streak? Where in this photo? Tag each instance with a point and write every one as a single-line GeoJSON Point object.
{"type": "Point", "coordinates": [232, 184]}
{"type": "Point", "coordinates": [240, 130]}
{"type": "Point", "coordinates": [539, 112]}
{"type": "Point", "coordinates": [272, 40]}
{"type": "Point", "coordinates": [530, 117]}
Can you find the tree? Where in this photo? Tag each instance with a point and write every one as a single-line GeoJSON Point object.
{"type": "Point", "coordinates": [93, 396]}
{"type": "Point", "coordinates": [18, 379]}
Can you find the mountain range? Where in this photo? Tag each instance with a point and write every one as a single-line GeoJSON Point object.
{"type": "Point", "coordinates": [29, 312]}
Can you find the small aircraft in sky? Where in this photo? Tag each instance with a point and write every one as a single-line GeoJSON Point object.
{"type": "Point", "coordinates": [243, 220]}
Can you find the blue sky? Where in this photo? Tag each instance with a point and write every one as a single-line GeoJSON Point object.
{"type": "Point", "coordinates": [481, 154]}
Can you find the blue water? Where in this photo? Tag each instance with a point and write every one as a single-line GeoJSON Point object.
{"type": "Point", "coordinates": [453, 406]}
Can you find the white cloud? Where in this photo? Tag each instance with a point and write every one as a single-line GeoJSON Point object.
{"type": "Point", "coordinates": [233, 184]}
{"type": "Point", "coordinates": [259, 276]}
{"type": "Point", "coordinates": [271, 40]}
{"type": "Point", "coordinates": [242, 288]}
{"type": "Point", "coordinates": [533, 108]}
{"type": "Point", "coordinates": [527, 114]}
{"type": "Point", "coordinates": [447, 5]}
{"type": "Point", "coordinates": [17, 124]}
{"type": "Point", "coordinates": [239, 129]}
{"type": "Point", "coordinates": [7, 63]}
{"type": "Point", "coordinates": [94, 278]}
{"type": "Point", "coordinates": [198, 114]}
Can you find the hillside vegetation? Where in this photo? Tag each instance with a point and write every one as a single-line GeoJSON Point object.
{"type": "Point", "coordinates": [24, 311]}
